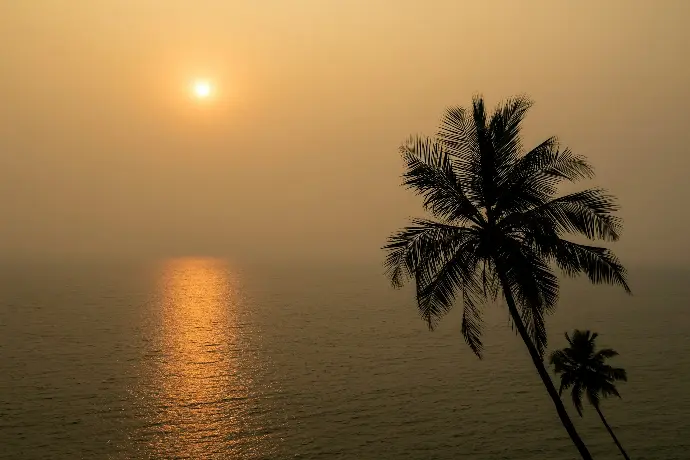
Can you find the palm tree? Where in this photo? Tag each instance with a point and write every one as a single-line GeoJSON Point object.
{"type": "Point", "coordinates": [583, 368]}
{"type": "Point", "coordinates": [498, 227]}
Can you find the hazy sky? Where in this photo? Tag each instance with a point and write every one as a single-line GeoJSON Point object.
{"type": "Point", "coordinates": [102, 152]}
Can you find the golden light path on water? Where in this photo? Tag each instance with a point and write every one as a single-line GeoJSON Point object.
{"type": "Point", "coordinates": [201, 386]}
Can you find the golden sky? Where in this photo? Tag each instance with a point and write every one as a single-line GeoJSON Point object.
{"type": "Point", "coordinates": [103, 152]}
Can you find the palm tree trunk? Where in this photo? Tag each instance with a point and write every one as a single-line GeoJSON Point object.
{"type": "Point", "coordinates": [541, 369]}
{"type": "Point", "coordinates": [615, 439]}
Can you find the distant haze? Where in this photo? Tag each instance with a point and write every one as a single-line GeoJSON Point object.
{"type": "Point", "coordinates": [102, 154]}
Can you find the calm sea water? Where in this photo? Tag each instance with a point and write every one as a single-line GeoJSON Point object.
{"type": "Point", "coordinates": [200, 358]}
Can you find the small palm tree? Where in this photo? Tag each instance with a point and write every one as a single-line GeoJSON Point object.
{"type": "Point", "coordinates": [499, 228]}
{"type": "Point", "coordinates": [583, 368]}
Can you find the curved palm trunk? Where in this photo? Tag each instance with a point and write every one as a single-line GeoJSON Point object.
{"type": "Point", "coordinates": [615, 439]}
{"type": "Point", "coordinates": [541, 369]}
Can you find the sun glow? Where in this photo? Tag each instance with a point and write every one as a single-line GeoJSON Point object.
{"type": "Point", "coordinates": [202, 89]}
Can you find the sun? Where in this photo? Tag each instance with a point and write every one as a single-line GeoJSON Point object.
{"type": "Point", "coordinates": [202, 89]}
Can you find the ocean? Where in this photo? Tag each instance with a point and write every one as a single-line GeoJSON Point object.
{"type": "Point", "coordinates": [202, 358]}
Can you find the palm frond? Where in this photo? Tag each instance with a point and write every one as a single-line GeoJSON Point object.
{"type": "Point", "coordinates": [491, 283]}
{"type": "Point", "coordinates": [504, 128]}
{"type": "Point", "coordinates": [567, 380]}
{"type": "Point", "coordinates": [604, 354]}
{"type": "Point", "coordinates": [535, 286]}
{"type": "Point", "coordinates": [487, 155]}
{"type": "Point", "coordinates": [533, 179]}
{"type": "Point", "coordinates": [439, 279]}
{"type": "Point", "coordinates": [576, 396]}
{"type": "Point", "coordinates": [607, 389]}
{"type": "Point", "coordinates": [566, 165]}
{"type": "Point", "coordinates": [430, 173]}
{"type": "Point", "coordinates": [548, 161]}
{"type": "Point", "coordinates": [410, 247]}
{"type": "Point", "coordinates": [599, 264]}
{"type": "Point", "coordinates": [558, 359]}
{"type": "Point", "coordinates": [471, 326]}
{"type": "Point", "coordinates": [458, 136]}
{"type": "Point", "coordinates": [588, 213]}
{"type": "Point", "coordinates": [568, 339]}
{"type": "Point", "coordinates": [617, 374]}
{"type": "Point", "coordinates": [593, 396]}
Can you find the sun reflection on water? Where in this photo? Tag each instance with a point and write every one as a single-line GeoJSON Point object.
{"type": "Point", "coordinates": [199, 384]}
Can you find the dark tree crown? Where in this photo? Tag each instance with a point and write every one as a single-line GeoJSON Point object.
{"type": "Point", "coordinates": [497, 215]}
{"type": "Point", "coordinates": [583, 368]}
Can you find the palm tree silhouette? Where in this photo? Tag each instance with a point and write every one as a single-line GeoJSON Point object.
{"type": "Point", "coordinates": [583, 368]}
{"type": "Point", "coordinates": [498, 227]}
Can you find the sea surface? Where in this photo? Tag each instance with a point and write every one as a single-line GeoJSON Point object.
{"type": "Point", "coordinates": [201, 358]}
